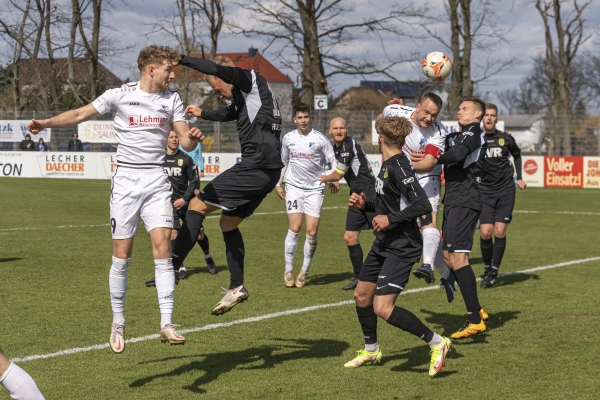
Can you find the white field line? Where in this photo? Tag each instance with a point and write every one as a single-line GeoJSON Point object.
{"type": "Point", "coordinates": [283, 212]}
{"type": "Point", "coordinates": [274, 315]}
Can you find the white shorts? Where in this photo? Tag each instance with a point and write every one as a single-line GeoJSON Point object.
{"type": "Point", "coordinates": [136, 193]}
{"type": "Point", "coordinates": [432, 186]}
{"type": "Point", "coordinates": [308, 202]}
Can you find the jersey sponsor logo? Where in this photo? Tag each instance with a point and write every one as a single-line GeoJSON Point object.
{"type": "Point", "coordinates": [146, 121]}
{"type": "Point", "coordinates": [408, 180]}
{"type": "Point", "coordinates": [172, 171]}
{"type": "Point", "coordinates": [501, 142]}
{"type": "Point", "coordinates": [379, 186]}
{"type": "Point", "coordinates": [301, 155]}
{"type": "Point", "coordinates": [493, 152]}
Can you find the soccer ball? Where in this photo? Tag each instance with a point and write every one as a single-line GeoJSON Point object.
{"type": "Point", "coordinates": [437, 66]}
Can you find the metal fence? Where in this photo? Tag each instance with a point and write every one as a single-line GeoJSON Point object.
{"type": "Point", "coordinates": [542, 137]}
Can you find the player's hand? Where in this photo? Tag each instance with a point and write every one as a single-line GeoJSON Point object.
{"type": "Point", "coordinates": [380, 222]}
{"type": "Point", "coordinates": [334, 187]}
{"type": "Point", "coordinates": [280, 192]}
{"type": "Point", "coordinates": [416, 157]}
{"type": "Point", "coordinates": [522, 184]}
{"type": "Point", "coordinates": [179, 203]}
{"type": "Point", "coordinates": [201, 174]}
{"type": "Point", "coordinates": [196, 134]}
{"type": "Point", "coordinates": [357, 201]}
{"type": "Point", "coordinates": [193, 111]}
{"type": "Point", "coordinates": [35, 126]}
{"type": "Point", "coordinates": [395, 101]}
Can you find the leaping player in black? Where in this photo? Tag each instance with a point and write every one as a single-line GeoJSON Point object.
{"type": "Point", "coordinates": [497, 193]}
{"type": "Point", "coordinates": [398, 244]}
{"type": "Point", "coordinates": [239, 190]}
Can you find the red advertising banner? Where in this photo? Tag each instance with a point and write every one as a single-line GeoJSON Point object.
{"type": "Point", "coordinates": [563, 172]}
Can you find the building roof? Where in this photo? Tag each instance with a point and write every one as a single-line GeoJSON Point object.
{"type": "Point", "coordinates": [519, 120]}
{"type": "Point", "coordinates": [81, 68]}
{"type": "Point", "coordinates": [248, 60]}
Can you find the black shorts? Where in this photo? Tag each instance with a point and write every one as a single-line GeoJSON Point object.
{"type": "Point", "coordinates": [179, 215]}
{"type": "Point", "coordinates": [497, 208]}
{"type": "Point", "coordinates": [357, 220]}
{"type": "Point", "coordinates": [458, 228]}
{"type": "Point", "coordinates": [390, 275]}
{"type": "Point", "coordinates": [239, 191]}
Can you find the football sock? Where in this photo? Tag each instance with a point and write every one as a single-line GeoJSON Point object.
{"type": "Point", "coordinates": [431, 242]}
{"type": "Point", "coordinates": [437, 339]}
{"type": "Point", "coordinates": [487, 245]}
{"type": "Point", "coordinates": [356, 258]}
{"type": "Point", "coordinates": [290, 246]}
{"type": "Point", "coordinates": [205, 246]}
{"type": "Point", "coordinates": [440, 264]}
{"type": "Point", "coordinates": [368, 322]}
{"type": "Point", "coordinates": [117, 284]}
{"type": "Point", "coordinates": [468, 288]}
{"type": "Point", "coordinates": [19, 384]}
{"type": "Point", "coordinates": [165, 288]}
{"type": "Point", "coordinates": [310, 246]}
{"type": "Point", "coordinates": [499, 247]}
{"type": "Point", "coordinates": [372, 347]}
{"type": "Point", "coordinates": [409, 322]}
{"type": "Point", "coordinates": [234, 250]}
{"type": "Point", "coordinates": [186, 237]}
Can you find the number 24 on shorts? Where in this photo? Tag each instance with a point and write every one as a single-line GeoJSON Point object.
{"type": "Point", "coordinates": [291, 204]}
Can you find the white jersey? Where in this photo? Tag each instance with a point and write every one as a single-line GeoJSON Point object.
{"type": "Point", "coordinates": [305, 155]}
{"type": "Point", "coordinates": [419, 138]}
{"type": "Point", "coordinates": [142, 122]}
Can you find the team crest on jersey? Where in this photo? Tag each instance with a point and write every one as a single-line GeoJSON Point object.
{"type": "Point", "coordinates": [180, 162]}
{"type": "Point", "coordinates": [166, 108]}
{"type": "Point", "coordinates": [501, 142]}
{"type": "Point", "coordinates": [311, 144]}
{"type": "Point", "coordinates": [385, 174]}
{"type": "Point", "coordinates": [422, 143]}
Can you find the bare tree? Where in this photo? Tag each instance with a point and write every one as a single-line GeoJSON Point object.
{"type": "Point", "coordinates": [213, 11]}
{"type": "Point", "coordinates": [315, 33]}
{"type": "Point", "coordinates": [568, 29]}
{"type": "Point", "coordinates": [473, 29]}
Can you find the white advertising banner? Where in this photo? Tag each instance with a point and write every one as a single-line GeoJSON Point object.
{"type": "Point", "coordinates": [96, 132]}
{"type": "Point", "coordinates": [15, 131]}
{"type": "Point", "coordinates": [533, 170]}
{"type": "Point", "coordinates": [591, 172]}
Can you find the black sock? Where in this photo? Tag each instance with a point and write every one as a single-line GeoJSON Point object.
{"type": "Point", "coordinates": [468, 288]}
{"type": "Point", "coordinates": [409, 322]}
{"type": "Point", "coordinates": [368, 322]}
{"type": "Point", "coordinates": [486, 250]}
{"type": "Point", "coordinates": [499, 247]}
{"type": "Point", "coordinates": [234, 249]}
{"type": "Point", "coordinates": [205, 246]}
{"type": "Point", "coordinates": [186, 237]}
{"type": "Point", "coordinates": [356, 257]}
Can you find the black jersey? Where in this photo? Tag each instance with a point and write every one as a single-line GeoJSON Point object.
{"type": "Point", "coordinates": [182, 174]}
{"type": "Point", "coordinates": [462, 169]}
{"type": "Point", "coordinates": [254, 107]}
{"type": "Point", "coordinates": [402, 199]}
{"type": "Point", "coordinates": [497, 168]}
{"type": "Point", "coordinates": [353, 162]}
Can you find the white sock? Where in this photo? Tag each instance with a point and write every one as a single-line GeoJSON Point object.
{"type": "Point", "coordinates": [182, 268]}
{"type": "Point", "coordinates": [117, 283]}
{"type": "Point", "coordinates": [372, 347]}
{"type": "Point", "coordinates": [431, 241]}
{"type": "Point", "coordinates": [437, 339]}
{"type": "Point", "coordinates": [19, 384]}
{"type": "Point", "coordinates": [165, 288]}
{"type": "Point", "coordinates": [440, 264]}
{"type": "Point", "coordinates": [291, 244]}
{"type": "Point", "coordinates": [310, 246]}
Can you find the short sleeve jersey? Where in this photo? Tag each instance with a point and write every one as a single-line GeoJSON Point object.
{"type": "Point", "coordinates": [463, 179]}
{"type": "Point", "coordinates": [419, 138]}
{"type": "Point", "coordinates": [396, 184]}
{"type": "Point", "coordinates": [182, 175]}
{"type": "Point", "coordinates": [353, 162]}
{"type": "Point", "coordinates": [142, 122]}
{"type": "Point", "coordinates": [305, 156]}
{"type": "Point", "coordinates": [497, 168]}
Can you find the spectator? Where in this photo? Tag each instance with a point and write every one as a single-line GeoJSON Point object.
{"type": "Point", "coordinates": [75, 144]}
{"type": "Point", "coordinates": [27, 144]}
{"type": "Point", "coordinates": [42, 146]}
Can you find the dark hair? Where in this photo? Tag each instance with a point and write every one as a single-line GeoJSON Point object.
{"type": "Point", "coordinates": [480, 104]}
{"type": "Point", "coordinates": [491, 106]}
{"type": "Point", "coordinates": [28, 136]}
{"type": "Point", "coordinates": [301, 107]}
{"type": "Point", "coordinates": [437, 100]}
{"type": "Point", "coordinates": [154, 54]}
{"type": "Point", "coordinates": [76, 134]}
{"type": "Point", "coordinates": [394, 130]}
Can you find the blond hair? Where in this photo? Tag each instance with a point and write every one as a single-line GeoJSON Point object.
{"type": "Point", "coordinates": [394, 130]}
{"type": "Point", "coordinates": [154, 54]}
{"type": "Point", "coordinates": [221, 60]}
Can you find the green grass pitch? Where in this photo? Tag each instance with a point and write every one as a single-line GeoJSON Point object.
{"type": "Point", "coordinates": [543, 338]}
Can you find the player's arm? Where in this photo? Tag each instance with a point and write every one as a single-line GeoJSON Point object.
{"type": "Point", "coordinates": [433, 151]}
{"type": "Point", "coordinates": [188, 138]}
{"type": "Point", "coordinates": [342, 166]}
{"type": "Point", "coordinates": [64, 120]}
{"type": "Point", "coordinates": [459, 152]}
{"type": "Point", "coordinates": [516, 153]}
{"type": "Point", "coordinates": [193, 180]}
{"type": "Point", "coordinates": [233, 76]}
{"type": "Point", "coordinates": [334, 186]}
{"type": "Point", "coordinates": [224, 114]}
{"type": "Point", "coordinates": [285, 159]}
{"type": "Point", "coordinates": [423, 163]}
